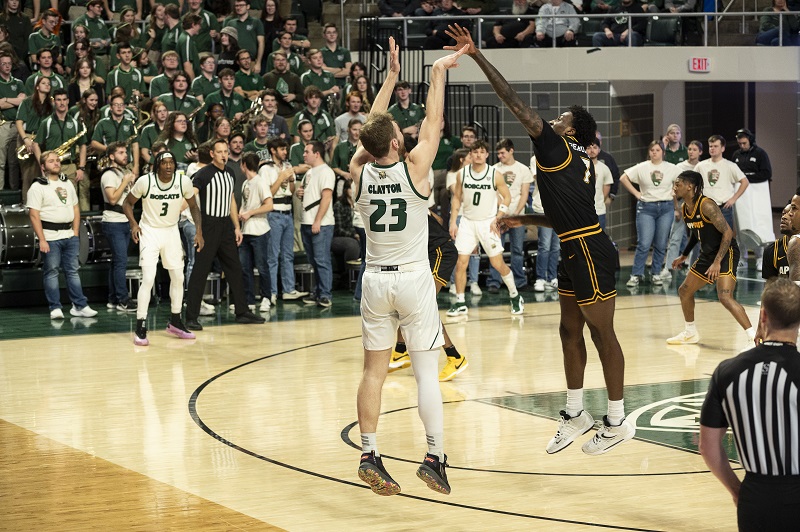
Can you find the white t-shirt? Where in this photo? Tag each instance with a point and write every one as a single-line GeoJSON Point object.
{"type": "Point", "coordinates": [315, 181]}
{"type": "Point", "coordinates": [113, 179]}
{"type": "Point", "coordinates": [685, 165]}
{"type": "Point", "coordinates": [161, 202]}
{"type": "Point", "coordinates": [655, 180]}
{"type": "Point", "coordinates": [343, 120]}
{"type": "Point", "coordinates": [55, 202]}
{"type": "Point", "coordinates": [254, 192]}
{"type": "Point", "coordinates": [603, 177]}
{"type": "Point", "coordinates": [271, 172]}
{"type": "Point", "coordinates": [536, 198]}
{"type": "Point", "coordinates": [515, 175]}
{"type": "Point", "coordinates": [719, 179]}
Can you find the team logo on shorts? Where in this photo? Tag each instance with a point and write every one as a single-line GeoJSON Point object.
{"type": "Point", "coordinates": [656, 177]}
{"type": "Point", "coordinates": [713, 177]}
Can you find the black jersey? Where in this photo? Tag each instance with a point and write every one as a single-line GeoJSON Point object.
{"type": "Point", "coordinates": [710, 237]}
{"type": "Point", "coordinates": [437, 235]}
{"type": "Point", "coordinates": [775, 259]}
{"type": "Point", "coordinates": [756, 394]}
{"type": "Point", "coordinates": [565, 177]}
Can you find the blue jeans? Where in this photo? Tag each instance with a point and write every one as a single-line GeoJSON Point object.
{"type": "Point", "coordinates": [547, 255]}
{"type": "Point", "coordinates": [677, 240]}
{"type": "Point", "coordinates": [188, 232]}
{"type": "Point", "coordinates": [63, 253]}
{"type": "Point", "coordinates": [318, 251]}
{"type": "Point", "coordinates": [600, 39]}
{"type": "Point", "coordinates": [362, 240]}
{"type": "Point", "coordinates": [118, 235]}
{"type": "Point", "coordinates": [281, 250]}
{"type": "Point", "coordinates": [653, 223]}
{"type": "Point", "coordinates": [602, 219]}
{"type": "Point", "coordinates": [728, 215]}
{"type": "Point", "coordinates": [771, 38]}
{"type": "Point", "coordinates": [516, 235]}
{"type": "Point", "coordinates": [253, 252]}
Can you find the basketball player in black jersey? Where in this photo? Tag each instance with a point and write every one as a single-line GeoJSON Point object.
{"type": "Point", "coordinates": [586, 275]}
{"type": "Point", "coordinates": [793, 247]}
{"type": "Point", "coordinates": [776, 261]}
{"type": "Point", "coordinates": [719, 256]}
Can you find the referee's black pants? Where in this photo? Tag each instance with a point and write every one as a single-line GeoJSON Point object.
{"type": "Point", "coordinates": [220, 242]}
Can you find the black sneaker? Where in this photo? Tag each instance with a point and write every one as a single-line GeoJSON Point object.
{"type": "Point", "coordinates": [324, 302]}
{"type": "Point", "coordinates": [125, 307]}
{"type": "Point", "coordinates": [176, 327]}
{"type": "Point", "coordinates": [373, 473]}
{"type": "Point", "coordinates": [193, 325]}
{"type": "Point", "coordinates": [310, 300]}
{"type": "Point", "coordinates": [249, 317]}
{"type": "Point", "coordinates": [432, 473]}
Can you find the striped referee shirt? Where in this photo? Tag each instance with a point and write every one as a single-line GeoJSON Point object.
{"type": "Point", "coordinates": [215, 188]}
{"type": "Point", "coordinates": [755, 394]}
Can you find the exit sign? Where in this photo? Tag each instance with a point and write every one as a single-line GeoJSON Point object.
{"type": "Point", "coordinates": [699, 64]}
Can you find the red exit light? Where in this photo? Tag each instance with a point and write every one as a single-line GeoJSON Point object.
{"type": "Point", "coordinates": [699, 64]}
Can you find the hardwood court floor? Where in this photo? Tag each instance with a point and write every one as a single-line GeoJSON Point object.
{"type": "Point", "coordinates": [254, 427]}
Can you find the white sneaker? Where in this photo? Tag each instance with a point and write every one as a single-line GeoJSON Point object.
{"type": "Point", "coordinates": [656, 280]}
{"type": "Point", "coordinates": [665, 275]}
{"type": "Point", "coordinates": [539, 285]}
{"type": "Point", "coordinates": [265, 305]}
{"type": "Point", "coordinates": [56, 314]}
{"type": "Point", "coordinates": [608, 437]}
{"type": "Point", "coordinates": [85, 312]}
{"type": "Point", "coordinates": [569, 429]}
{"type": "Point", "coordinates": [206, 309]}
{"type": "Point", "coordinates": [475, 290]}
{"type": "Point", "coordinates": [633, 281]}
{"type": "Point", "coordinates": [684, 338]}
{"type": "Point", "coordinates": [552, 285]}
{"type": "Point", "coordinates": [759, 264]}
{"type": "Point", "coordinates": [294, 294]}
{"type": "Point", "coordinates": [111, 305]}
{"type": "Point", "coordinates": [273, 299]}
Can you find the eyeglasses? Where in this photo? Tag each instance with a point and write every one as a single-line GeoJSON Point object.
{"type": "Point", "coordinates": [180, 121]}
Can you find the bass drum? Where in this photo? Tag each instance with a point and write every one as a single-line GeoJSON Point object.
{"type": "Point", "coordinates": [94, 244]}
{"type": "Point", "coordinates": [18, 243]}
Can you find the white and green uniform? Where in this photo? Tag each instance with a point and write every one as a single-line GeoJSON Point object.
{"type": "Point", "coordinates": [398, 289]}
{"type": "Point", "coordinates": [479, 201]}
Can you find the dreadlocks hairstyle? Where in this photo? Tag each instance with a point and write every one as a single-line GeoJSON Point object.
{"type": "Point", "coordinates": [584, 125]}
{"type": "Point", "coordinates": [694, 179]}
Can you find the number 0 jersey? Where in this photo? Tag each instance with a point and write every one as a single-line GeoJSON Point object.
{"type": "Point", "coordinates": [395, 216]}
{"type": "Point", "coordinates": [161, 202]}
{"type": "Point", "coordinates": [566, 180]}
{"type": "Point", "coordinates": [478, 194]}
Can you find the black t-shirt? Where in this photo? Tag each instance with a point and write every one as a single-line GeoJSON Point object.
{"type": "Point", "coordinates": [565, 177]}
{"type": "Point", "coordinates": [437, 234]}
{"type": "Point", "coordinates": [776, 261]}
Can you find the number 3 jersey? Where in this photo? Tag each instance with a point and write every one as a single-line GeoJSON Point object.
{"type": "Point", "coordinates": [161, 202]}
{"type": "Point", "coordinates": [395, 215]}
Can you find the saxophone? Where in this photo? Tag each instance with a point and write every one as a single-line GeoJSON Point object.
{"type": "Point", "coordinates": [63, 151]}
{"type": "Point", "coordinates": [195, 111]}
{"type": "Point", "coordinates": [22, 151]}
{"type": "Point", "coordinates": [238, 123]}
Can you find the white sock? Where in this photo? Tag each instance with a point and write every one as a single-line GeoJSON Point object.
{"type": "Point", "coordinates": [176, 291]}
{"type": "Point", "coordinates": [369, 442]}
{"type": "Point", "coordinates": [436, 445]}
{"type": "Point", "coordinates": [460, 298]}
{"type": "Point", "coordinates": [508, 279]}
{"type": "Point", "coordinates": [574, 402]}
{"type": "Point", "coordinates": [429, 398]}
{"type": "Point", "coordinates": [145, 288]}
{"type": "Point", "coordinates": [616, 411]}
{"type": "Point", "coordinates": [751, 333]}
{"type": "Point", "coordinates": [690, 328]}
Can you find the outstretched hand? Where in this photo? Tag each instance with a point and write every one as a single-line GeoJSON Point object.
{"type": "Point", "coordinates": [450, 61]}
{"type": "Point", "coordinates": [394, 56]}
{"type": "Point", "coordinates": [462, 38]}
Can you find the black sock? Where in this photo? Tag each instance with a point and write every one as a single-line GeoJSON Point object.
{"type": "Point", "coordinates": [174, 319]}
{"type": "Point", "coordinates": [141, 324]}
{"type": "Point", "coordinates": [400, 347]}
{"type": "Point", "coordinates": [452, 352]}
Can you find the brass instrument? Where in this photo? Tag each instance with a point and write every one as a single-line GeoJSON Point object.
{"type": "Point", "coordinates": [63, 151]}
{"type": "Point", "coordinates": [105, 161]}
{"type": "Point", "coordinates": [195, 111]}
{"type": "Point", "coordinates": [255, 108]}
{"type": "Point", "coordinates": [22, 151]}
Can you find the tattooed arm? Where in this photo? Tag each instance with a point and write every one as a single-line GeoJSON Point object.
{"type": "Point", "coordinates": [712, 212]}
{"type": "Point", "coordinates": [529, 118]}
{"type": "Point", "coordinates": [793, 255]}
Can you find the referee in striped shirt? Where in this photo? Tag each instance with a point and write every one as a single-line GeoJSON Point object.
{"type": "Point", "coordinates": [756, 394]}
{"type": "Point", "coordinates": [213, 184]}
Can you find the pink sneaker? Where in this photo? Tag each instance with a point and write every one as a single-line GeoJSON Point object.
{"type": "Point", "coordinates": [180, 331]}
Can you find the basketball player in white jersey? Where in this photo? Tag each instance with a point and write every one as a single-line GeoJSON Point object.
{"type": "Point", "coordinates": [162, 192]}
{"type": "Point", "coordinates": [477, 187]}
{"type": "Point", "coordinates": [398, 288]}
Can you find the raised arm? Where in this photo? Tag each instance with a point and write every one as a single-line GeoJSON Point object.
{"type": "Point", "coordinates": [529, 118]}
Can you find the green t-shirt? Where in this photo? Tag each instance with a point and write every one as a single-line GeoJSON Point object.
{"type": "Point", "coordinates": [38, 41]}
{"type": "Point", "coordinates": [187, 104]}
{"type": "Point", "coordinates": [337, 58]}
{"type": "Point", "coordinates": [249, 82]}
{"type": "Point", "coordinates": [159, 85]}
{"type": "Point", "coordinates": [187, 51]}
{"type": "Point", "coordinates": [97, 32]}
{"type": "Point", "coordinates": [677, 156]}
{"type": "Point", "coordinates": [249, 31]}
{"type": "Point", "coordinates": [232, 104]}
{"type": "Point", "coordinates": [11, 89]}
{"type": "Point", "coordinates": [201, 86]}
{"type": "Point", "coordinates": [407, 117]}
{"type": "Point", "coordinates": [296, 64]}
{"type": "Point", "coordinates": [322, 81]}
{"type": "Point", "coordinates": [56, 82]}
{"type": "Point", "coordinates": [276, 44]}
{"type": "Point", "coordinates": [322, 121]}
{"type": "Point", "coordinates": [261, 150]}
{"type": "Point", "coordinates": [179, 149]}
{"type": "Point", "coordinates": [148, 135]}
{"type": "Point", "coordinates": [169, 42]}
{"type": "Point", "coordinates": [53, 132]}
{"type": "Point", "coordinates": [447, 145]}
{"type": "Point", "coordinates": [296, 155]}
{"type": "Point", "coordinates": [107, 130]}
{"type": "Point", "coordinates": [208, 22]}
{"type": "Point", "coordinates": [130, 81]}
{"type": "Point", "coordinates": [342, 154]}
{"type": "Point", "coordinates": [26, 113]}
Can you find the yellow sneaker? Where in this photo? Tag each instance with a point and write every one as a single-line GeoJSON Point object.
{"type": "Point", "coordinates": [399, 361]}
{"type": "Point", "coordinates": [453, 367]}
